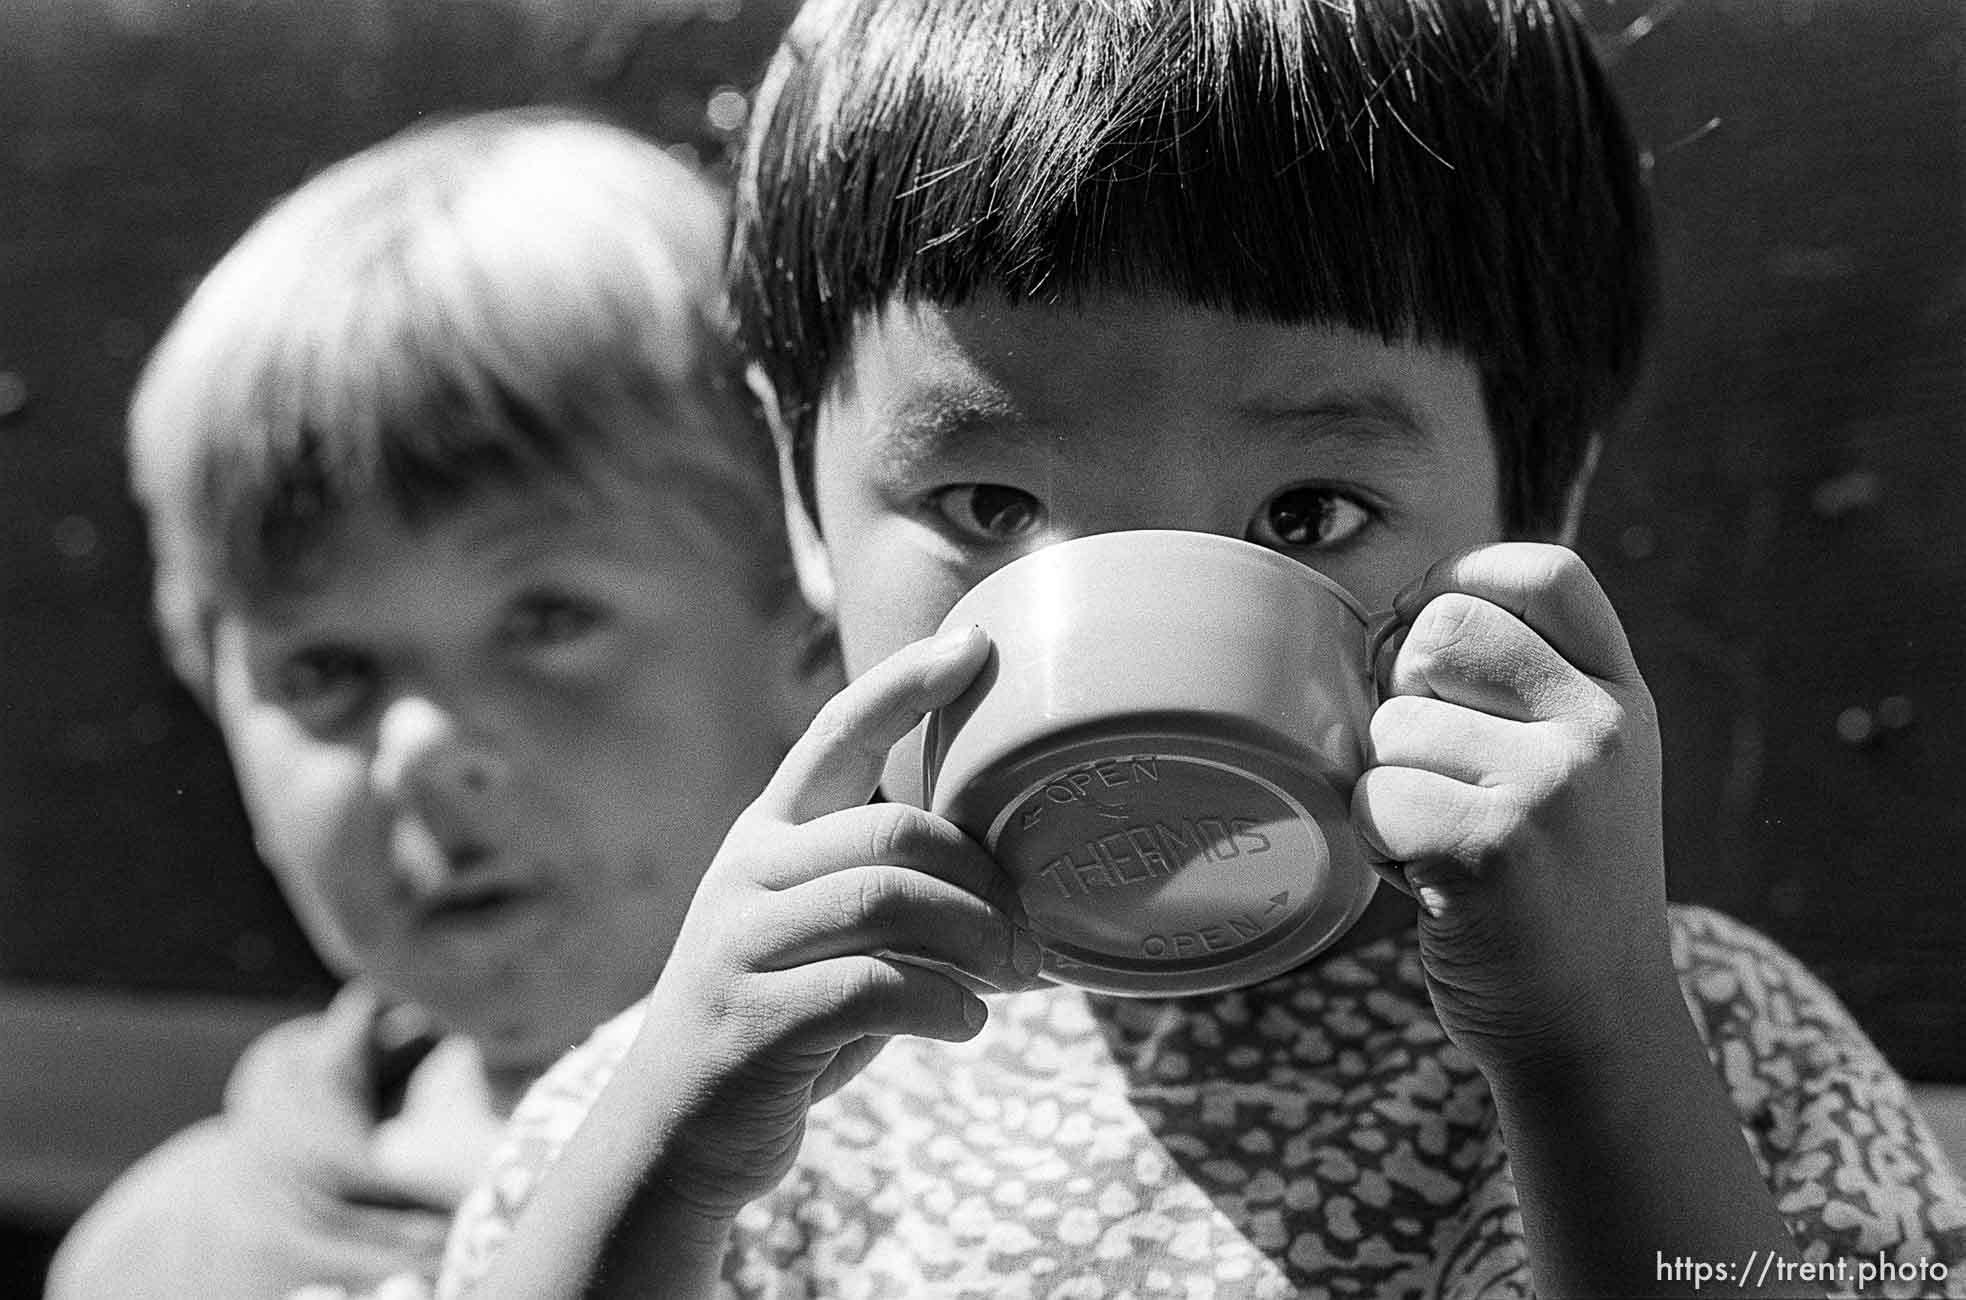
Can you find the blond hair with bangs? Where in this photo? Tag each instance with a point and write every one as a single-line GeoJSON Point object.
{"type": "Point", "coordinates": [522, 297]}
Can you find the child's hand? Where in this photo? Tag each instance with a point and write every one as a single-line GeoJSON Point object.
{"type": "Point", "coordinates": [824, 925]}
{"type": "Point", "coordinates": [1515, 793]}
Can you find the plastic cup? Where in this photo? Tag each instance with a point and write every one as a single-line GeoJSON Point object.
{"type": "Point", "coordinates": [1161, 752]}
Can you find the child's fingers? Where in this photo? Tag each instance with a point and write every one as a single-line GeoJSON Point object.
{"type": "Point", "coordinates": [837, 1003]}
{"type": "Point", "coordinates": [1472, 652]}
{"type": "Point", "coordinates": [837, 763]}
{"type": "Point", "coordinates": [1461, 743]}
{"type": "Point", "coordinates": [1407, 814]}
{"type": "Point", "coordinates": [846, 1065]}
{"type": "Point", "coordinates": [347, 1027]}
{"type": "Point", "coordinates": [891, 833]}
{"type": "Point", "coordinates": [1547, 587]}
{"type": "Point", "coordinates": [893, 911]}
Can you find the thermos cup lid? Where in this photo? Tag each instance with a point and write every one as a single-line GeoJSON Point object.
{"type": "Point", "coordinates": [1161, 754]}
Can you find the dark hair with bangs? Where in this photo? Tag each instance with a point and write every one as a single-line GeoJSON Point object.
{"type": "Point", "coordinates": [526, 297]}
{"type": "Point", "coordinates": [1453, 172]}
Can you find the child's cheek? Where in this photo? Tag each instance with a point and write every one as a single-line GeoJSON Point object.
{"type": "Point", "coordinates": [316, 821]}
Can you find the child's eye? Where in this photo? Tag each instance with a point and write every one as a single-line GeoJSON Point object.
{"type": "Point", "coordinates": [547, 620]}
{"type": "Point", "coordinates": [989, 512]}
{"type": "Point", "coordinates": [1308, 516]}
{"type": "Point", "coordinates": [325, 684]}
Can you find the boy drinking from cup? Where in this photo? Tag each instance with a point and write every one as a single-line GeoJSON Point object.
{"type": "Point", "coordinates": [466, 532]}
{"type": "Point", "coordinates": [1363, 284]}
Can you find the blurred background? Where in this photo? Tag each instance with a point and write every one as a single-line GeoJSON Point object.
{"type": "Point", "coordinates": [1781, 528]}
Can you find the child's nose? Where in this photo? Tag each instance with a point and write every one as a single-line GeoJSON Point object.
{"type": "Point", "coordinates": [422, 753]}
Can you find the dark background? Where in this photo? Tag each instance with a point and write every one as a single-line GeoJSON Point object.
{"type": "Point", "coordinates": [1781, 527]}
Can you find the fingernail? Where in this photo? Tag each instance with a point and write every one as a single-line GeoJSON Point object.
{"type": "Point", "coordinates": [1408, 596]}
{"type": "Point", "coordinates": [954, 643]}
{"type": "Point", "coordinates": [974, 1012]}
{"type": "Point", "coordinates": [1026, 958]}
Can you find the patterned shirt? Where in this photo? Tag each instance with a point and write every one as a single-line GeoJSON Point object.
{"type": "Point", "coordinates": [1316, 1135]}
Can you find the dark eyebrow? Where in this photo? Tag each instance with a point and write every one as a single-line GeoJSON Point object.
{"type": "Point", "coordinates": [938, 422]}
{"type": "Point", "coordinates": [942, 419]}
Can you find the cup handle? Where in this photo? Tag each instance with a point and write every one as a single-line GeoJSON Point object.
{"type": "Point", "coordinates": [1379, 630]}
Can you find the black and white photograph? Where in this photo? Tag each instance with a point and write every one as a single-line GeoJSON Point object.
{"type": "Point", "coordinates": [982, 649]}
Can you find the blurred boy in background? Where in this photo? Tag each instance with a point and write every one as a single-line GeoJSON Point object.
{"type": "Point", "coordinates": [466, 532]}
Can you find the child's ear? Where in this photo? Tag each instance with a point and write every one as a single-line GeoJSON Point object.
{"type": "Point", "coordinates": [809, 562]}
{"type": "Point", "coordinates": [1573, 502]}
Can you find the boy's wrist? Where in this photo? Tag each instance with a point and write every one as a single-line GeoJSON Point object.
{"type": "Point", "coordinates": [1626, 1148]}
{"type": "Point", "coordinates": [690, 1262]}
{"type": "Point", "coordinates": [1538, 1014]}
{"type": "Point", "coordinates": [682, 1183]}
{"type": "Point", "coordinates": [1642, 1033]}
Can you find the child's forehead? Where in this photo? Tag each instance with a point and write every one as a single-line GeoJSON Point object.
{"type": "Point", "coordinates": [929, 376]}
{"type": "Point", "coordinates": [492, 535]}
